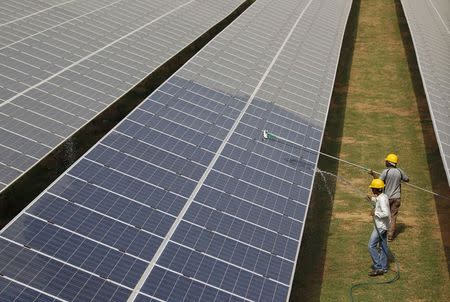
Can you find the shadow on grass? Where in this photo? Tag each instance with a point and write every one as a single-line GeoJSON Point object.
{"type": "Point", "coordinates": [435, 165]}
{"type": "Point", "coordinates": [310, 264]}
{"type": "Point", "coordinates": [401, 228]}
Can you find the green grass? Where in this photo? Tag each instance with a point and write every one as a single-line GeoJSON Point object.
{"type": "Point", "coordinates": [378, 107]}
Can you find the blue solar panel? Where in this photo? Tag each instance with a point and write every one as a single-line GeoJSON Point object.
{"type": "Point", "coordinates": [55, 277]}
{"type": "Point", "coordinates": [183, 201]}
{"type": "Point", "coordinates": [12, 291]}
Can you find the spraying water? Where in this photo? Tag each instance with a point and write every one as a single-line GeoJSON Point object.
{"type": "Point", "coordinates": [270, 136]}
{"type": "Point", "coordinates": [340, 179]}
{"type": "Point", "coordinates": [329, 186]}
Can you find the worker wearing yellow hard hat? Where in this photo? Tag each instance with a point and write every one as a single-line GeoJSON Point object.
{"type": "Point", "coordinates": [392, 159]}
{"type": "Point", "coordinates": [392, 177]}
{"type": "Point", "coordinates": [378, 239]}
{"type": "Point", "coordinates": [377, 184]}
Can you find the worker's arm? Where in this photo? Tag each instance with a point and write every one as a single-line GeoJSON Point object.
{"type": "Point", "coordinates": [373, 173]}
{"type": "Point", "coordinates": [405, 177]}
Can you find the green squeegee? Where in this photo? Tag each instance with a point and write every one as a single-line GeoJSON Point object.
{"type": "Point", "coordinates": [268, 135]}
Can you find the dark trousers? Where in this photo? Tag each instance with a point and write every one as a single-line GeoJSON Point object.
{"type": "Point", "coordinates": [394, 204]}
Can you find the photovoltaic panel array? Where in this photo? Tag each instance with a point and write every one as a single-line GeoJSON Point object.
{"type": "Point", "coordinates": [429, 23]}
{"type": "Point", "coordinates": [183, 201]}
{"type": "Point", "coordinates": [64, 62]}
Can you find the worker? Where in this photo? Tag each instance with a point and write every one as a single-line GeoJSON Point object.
{"type": "Point", "coordinates": [381, 214]}
{"type": "Point", "coordinates": [392, 177]}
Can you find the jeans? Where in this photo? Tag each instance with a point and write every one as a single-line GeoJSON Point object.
{"type": "Point", "coordinates": [378, 250]}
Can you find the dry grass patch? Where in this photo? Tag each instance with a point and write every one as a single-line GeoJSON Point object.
{"type": "Point", "coordinates": [374, 107]}
{"type": "Point", "coordinates": [357, 217]}
{"type": "Point", "coordinates": [349, 140]}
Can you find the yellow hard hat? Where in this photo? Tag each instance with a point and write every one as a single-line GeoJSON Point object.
{"type": "Point", "coordinates": [392, 158]}
{"type": "Point", "coordinates": [377, 184]}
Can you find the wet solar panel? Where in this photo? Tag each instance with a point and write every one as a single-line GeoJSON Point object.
{"type": "Point", "coordinates": [183, 200]}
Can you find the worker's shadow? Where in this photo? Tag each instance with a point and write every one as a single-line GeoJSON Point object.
{"type": "Point", "coordinates": [401, 227]}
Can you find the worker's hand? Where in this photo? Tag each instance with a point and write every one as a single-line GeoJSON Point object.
{"type": "Point", "coordinates": [369, 198]}
{"type": "Point", "coordinates": [371, 172]}
{"type": "Point", "coordinates": [372, 213]}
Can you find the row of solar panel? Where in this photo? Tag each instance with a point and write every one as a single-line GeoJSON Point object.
{"type": "Point", "coordinates": [192, 188]}
{"type": "Point", "coordinates": [249, 286]}
{"type": "Point", "coordinates": [56, 80]}
{"type": "Point", "coordinates": [101, 19]}
{"type": "Point", "coordinates": [14, 9]}
{"type": "Point", "coordinates": [429, 24]}
{"type": "Point", "coordinates": [89, 226]}
{"type": "Point", "coordinates": [183, 288]}
{"type": "Point", "coordinates": [113, 264]}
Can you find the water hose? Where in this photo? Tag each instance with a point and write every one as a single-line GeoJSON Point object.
{"type": "Point", "coordinates": [270, 136]}
{"type": "Point", "coordinates": [388, 254]}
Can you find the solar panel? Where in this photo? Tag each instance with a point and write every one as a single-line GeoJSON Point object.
{"type": "Point", "coordinates": [64, 62]}
{"type": "Point", "coordinates": [429, 24]}
{"type": "Point", "coordinates": [183, 201]}
{"type": "Point", "coordinates": [13, 10]}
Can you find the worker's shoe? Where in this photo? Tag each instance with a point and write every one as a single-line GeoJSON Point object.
{"type": "Point", "coordinates": [377, 272]}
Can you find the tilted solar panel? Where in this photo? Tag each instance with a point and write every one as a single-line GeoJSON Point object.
{"type": "Point", "coordinates": [13, 10]}
{"type": "Point", "coordinates": [64, 63]}
{"type": "Point", "coordinates": [183, 201]}
{"type": "Point", "coordinates": [429, 23]}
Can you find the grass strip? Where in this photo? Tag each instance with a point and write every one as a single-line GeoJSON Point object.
{"type": "Point", "coordinates": [378, 107]}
